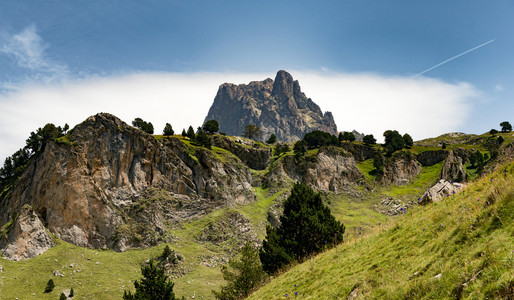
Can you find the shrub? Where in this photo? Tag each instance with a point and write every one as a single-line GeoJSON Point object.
{"type": "Point", "coordinates": [317, 139]}
{"type": "Point", "coordinates": [63, 296]}
{"type": "Point", "coordinates": [251, 131]}
{"type": "Point", "coordinates": [272, 139]}
{"type": "Point", "coordinates": [211, 127]}
{"type": "Point", "coordinates": [143, 125]}
{"type": "Point", "coordinates": [281, 148]}
{"type": "Point", "coordinates": [369, 139]}
{"type": "Point", "coordinates": [506, 127]}
{"type": "Point", "coordinates": [346, 136]}
{"type": "Point", "coordinates": [300, 148]}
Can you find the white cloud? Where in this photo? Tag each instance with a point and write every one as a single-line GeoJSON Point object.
{"type": "Point", "coordinates": [368, 103]}
{"type": "Point", "coordinates": [28, 50]}
{"type": "Point", "coordinates": [499, 88]}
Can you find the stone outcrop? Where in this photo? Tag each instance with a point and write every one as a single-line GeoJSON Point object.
{"type": "Point", "coordinates": [331, 169]}
{"type": "Point", "coordinates": [453, 169]}
{"type": "Point", "coordinates": [400, 168]}
{"type": "Point", "coordinates": [277, 106]}
{"type": "Point", "coordinates": [432, 157]}
{"type": "Point", "coordinates": [440, 190]}
{"type": "Point", "coordinates": [359, 152]}
{"type": "Point", "coordinates": [84, 187]}
{"type": "Point", "coordinates": [25, 236]}
{"type": "Point", "coordinates": [254, 154]}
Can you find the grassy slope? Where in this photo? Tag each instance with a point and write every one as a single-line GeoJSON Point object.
{"type": "Point", "coordinates": [467, 238]}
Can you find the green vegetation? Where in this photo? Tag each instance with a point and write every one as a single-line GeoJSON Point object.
{"type": "Point", "coordinates": [306, 227]}
{"type": "Point", "coordinates": [506, 127]}
{"type": "Point", "coordinates": [154, 284]}
{"type": "Point", "coordinates": [252, 131]}
{"type": "Point", "coordinates": [143, 125]}
{"type": "Point", "coordinates": [460, 247]}
{"type": "Point", "coordinates": [272, 139]}
{"type": "Point", "coordinates": [211, 127]}
{"type": "Point", "coordinates": [168, 130]}
{"type": "Point", "coordinates": [244, 275]}
{"type": "Point", "coordinates": [369, 139]}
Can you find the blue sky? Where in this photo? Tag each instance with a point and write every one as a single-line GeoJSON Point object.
{"type": "Point", "coordinates": [62, 61]}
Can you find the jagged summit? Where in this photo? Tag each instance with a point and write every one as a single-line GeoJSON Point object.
{"type": "Point", "coordinates": [277, 106]}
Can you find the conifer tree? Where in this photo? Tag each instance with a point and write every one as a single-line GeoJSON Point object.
{"type": "Point", "coordinates": [243, 276]}
{"type": "Point", "coordinates": [168, 130]}
{"type": "Point", "coordinates": [154, 284]}
{"type": "Point", "coordinates": [306, 227]}
{"type": "Point", "coordinates": [49, 286]}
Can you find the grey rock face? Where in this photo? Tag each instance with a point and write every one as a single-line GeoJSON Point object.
{"type": "Point", "coordinates": [430, 158]}
{"type": "Point", "coordinates": [400, 169]}
{"type": "Point", "coordinates": [330, 170]}
{"type": "Point", "coordinates": [26, 237]}
{"type": "Point", "coordinates": [83, 191]}
{"type": "Point", "coordinates": [278, 107]}
{"type": "Point", "coordinates": [359, 152]}
{"type": "Point", "coordinates": [453, 169]}
{"type": "Point", "coordinates": [253, 154]}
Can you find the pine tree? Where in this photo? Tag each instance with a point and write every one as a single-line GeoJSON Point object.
{"type": "Point", "coordinates": [272, 139]}
{"type": "Point", "coordinates": [63, 296]}
{"type": "Point", "coordinates": [243, 276]}
{"type": "Point", "coordinates": [190, 132]}
{"type": "Point", "coordinates": [154, 284]}
{"type": "Point", "coordinates": [49, 286]}
{"type": "Point", "coordinates": [72, 293]}
{"type": "Point", "coordinates": [168, 130]}
{"type": "Point", "coordinates": [184, 133]}
{"type": "Point", "coordinates": [306, 227]}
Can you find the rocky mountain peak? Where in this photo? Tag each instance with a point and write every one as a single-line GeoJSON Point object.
{"type": "Point", "coordinates": [277, 106]}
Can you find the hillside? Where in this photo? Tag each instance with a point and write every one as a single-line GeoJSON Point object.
{"type": "Point", "coordinates": [460, 247]}
{"type": "Point", "coordinates": [109, 193]}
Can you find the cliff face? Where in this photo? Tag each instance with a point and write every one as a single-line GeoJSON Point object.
{"type": "Point", "coordinates": [277, 106]}
{"type": "Point", "coordinates": [84, 189]}
{"type": "Point", "coordinates": [331, 169]}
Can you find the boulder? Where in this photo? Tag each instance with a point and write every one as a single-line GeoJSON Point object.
{"type": "Point", "coordinates": [440, 190]}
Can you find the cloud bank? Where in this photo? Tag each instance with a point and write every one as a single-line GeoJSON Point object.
{"type": "Point", "coordinates": [366, 102]}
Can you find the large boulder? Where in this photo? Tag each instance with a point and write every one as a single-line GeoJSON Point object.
{"type": "Point", "coordinates": [440, 190]}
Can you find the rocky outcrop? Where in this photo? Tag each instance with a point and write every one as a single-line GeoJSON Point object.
{"type": "Point", "coordinates": [277, 106]}
{"type": "Point", "coordinates": [432, 157]}
{"type": "Point", "coordinates": [84, 187]}
{"type": "Point", "coordinates": [359, 152]}
{"type": "Point", "coordinates": [331, 169]}
{"type": "Point", "coordinates": [391, 207]}
{"type": "Point", "coordinates": [254, 154]}
{"type": "Point", "coordinates": [25, 236]}
{"type": "Point", "coordinates": [453, 169]}
{"type": "Point", "coordinates": [400, 168]}
{"type": "Point", "coordinates": [440, 190]}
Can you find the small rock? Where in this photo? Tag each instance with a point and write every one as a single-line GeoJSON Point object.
{"type": "Point", "coordinates": [88, 258]}
{"type": "Point", "coordinates": [438, 276]}
{"type": "Point", "coordinates": [71, 265]}
{"type": "Point", "coordinates": [97, 263]}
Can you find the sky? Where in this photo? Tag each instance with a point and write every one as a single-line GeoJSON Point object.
{"type": "Point", "coordinates": [420, 67]}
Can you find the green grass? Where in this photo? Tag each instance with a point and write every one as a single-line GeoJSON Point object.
{"type": "Point", "coordinates": [425, 179]}
{"type": "Point", "coordinates": [466, 238]}
{"type": "Point", "coordinates": [366, 168]}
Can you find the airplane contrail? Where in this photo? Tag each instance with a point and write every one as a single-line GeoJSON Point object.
{"type": "Point", "coordinates": [450, 59]}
